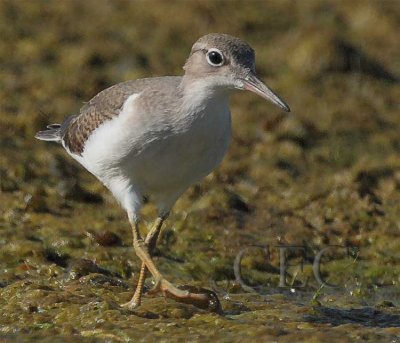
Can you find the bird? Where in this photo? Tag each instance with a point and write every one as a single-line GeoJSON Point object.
{"type": "Point", "coordinates": [155, 137]}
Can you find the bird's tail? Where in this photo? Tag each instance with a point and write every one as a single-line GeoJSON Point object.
{"type": "Point", "coordinates": [53, 133]}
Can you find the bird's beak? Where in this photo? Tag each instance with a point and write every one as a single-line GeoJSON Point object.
{"type": "Point", "coordinates": [254, 84]}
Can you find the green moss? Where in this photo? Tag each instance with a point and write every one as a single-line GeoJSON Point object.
{"type": "Point", "coordinates": [328, 174]}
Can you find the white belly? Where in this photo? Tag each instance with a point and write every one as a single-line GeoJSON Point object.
{"type": "Point", "coordinates": [137, 154]}
{"type": "Point", "coordinates": [174, 163]}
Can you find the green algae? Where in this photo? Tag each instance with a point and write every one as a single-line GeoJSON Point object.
{"type": "Point", "coordinates": [327, 174]}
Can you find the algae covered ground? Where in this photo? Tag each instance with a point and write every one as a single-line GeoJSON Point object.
{"type": "Point", "coordinates": [319, 184]}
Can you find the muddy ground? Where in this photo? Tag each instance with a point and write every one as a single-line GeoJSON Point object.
{"type": "Point", "coordinates": [328, 174]}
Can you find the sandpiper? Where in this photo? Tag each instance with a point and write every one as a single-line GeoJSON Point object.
{"type": "Point", "coordinates": [158, 136]}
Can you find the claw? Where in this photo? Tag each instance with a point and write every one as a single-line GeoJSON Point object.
{"type": "Point", "coordinates": [202, 298]}
{"type": "Point", "coordinates": [199, 297]}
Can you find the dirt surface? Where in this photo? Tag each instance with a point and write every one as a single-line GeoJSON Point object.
{"type": "Point", "coordinates": [326, 175]}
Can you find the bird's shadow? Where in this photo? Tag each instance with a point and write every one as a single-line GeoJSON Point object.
{"type": "Point", "coordinates": [366, 316]}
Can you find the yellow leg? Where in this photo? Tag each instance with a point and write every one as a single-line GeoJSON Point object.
{"type": "Point", "coordinates": [150, 241]}
{"type": "Point", "coordinates": [142, 250]}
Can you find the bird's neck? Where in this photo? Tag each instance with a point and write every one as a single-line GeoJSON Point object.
{"type": "Point", "coordinates": [202, 93]}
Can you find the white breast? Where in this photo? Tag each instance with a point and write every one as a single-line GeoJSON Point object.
{"type": "Point", "coordinates": [168, 166]}
{"type": "Point", "coordinates": [137, 154]}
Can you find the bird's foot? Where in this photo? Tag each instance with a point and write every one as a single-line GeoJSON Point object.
{"type": "Point", "coordinates": [130, 305]}
{"type": "Point", "coordinates": [199, 297]}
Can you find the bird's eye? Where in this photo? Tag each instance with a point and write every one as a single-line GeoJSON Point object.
{"type": "Point", "coordinates": [215, 58]}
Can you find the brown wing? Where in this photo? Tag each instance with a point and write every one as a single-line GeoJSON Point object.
{"type": "Point", "coordinates": [108, 103]}
{"type": "Point", "coordinates": [104, 106]}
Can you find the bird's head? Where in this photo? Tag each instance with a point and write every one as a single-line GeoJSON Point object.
{"type": "Point", "coordinates": [223, 61]}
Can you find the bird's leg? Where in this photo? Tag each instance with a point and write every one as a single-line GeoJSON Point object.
{"type": "Point", "coordinates": [150, 242]}
{"type": "Point", "coordinates": [142, 251]}
{"type": "Point", "coordinates": [167, 289]}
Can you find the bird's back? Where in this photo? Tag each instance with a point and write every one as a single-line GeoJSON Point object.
{"type": "Point", "coordinates": [106, 105]}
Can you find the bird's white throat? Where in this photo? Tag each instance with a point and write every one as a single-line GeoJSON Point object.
{"type": "Point", "coordinates": [204, 94]}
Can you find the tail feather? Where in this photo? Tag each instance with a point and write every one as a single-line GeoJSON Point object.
{"type": "Point", "coordinates": [53, 133]}
{"type": "Point", "coordinates": [54, 126]}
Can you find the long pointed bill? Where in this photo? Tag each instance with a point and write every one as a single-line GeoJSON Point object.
{"type": "Point", "coordinates": [254, 84]}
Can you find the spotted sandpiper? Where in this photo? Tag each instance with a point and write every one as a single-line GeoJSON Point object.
{"type": "Point", "coordinates": [158, 136]}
